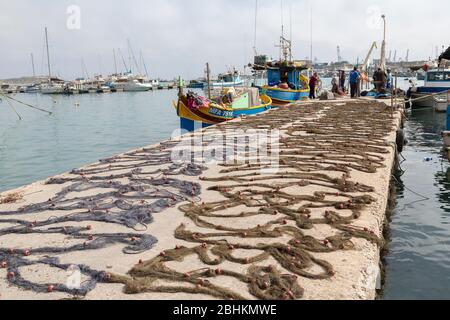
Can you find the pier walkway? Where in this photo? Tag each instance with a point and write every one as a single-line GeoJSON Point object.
{"type": "Point", "coordinates": [291, 206]}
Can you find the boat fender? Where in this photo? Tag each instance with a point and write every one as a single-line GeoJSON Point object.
{"type": "Point", "coordinates": [401, 140]}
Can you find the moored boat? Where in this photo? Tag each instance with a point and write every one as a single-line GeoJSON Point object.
{"type": "Point", "coordinates": [129, 85]}
{"type": "Point", "coordinates": [435, 91]}
{"type": "Point", "coordinates": [192, 107]}
{"type": "Point", "coordinates": [286, 83]}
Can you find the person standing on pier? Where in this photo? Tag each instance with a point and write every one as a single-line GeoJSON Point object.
{"type": "Point", "coordinates": [312, 85]}
{"type": "Point", "coordinates": [342, 80]}
{"type": "Point", "coordinates": [379, 79]}
{"type": "Point", "coordinates": [355, 77]}
{"type": "Point", "coordinates": [389, 79]}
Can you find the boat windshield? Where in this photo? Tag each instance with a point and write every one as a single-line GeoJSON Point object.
{"type": "Point", "coordinates": [439, 76]}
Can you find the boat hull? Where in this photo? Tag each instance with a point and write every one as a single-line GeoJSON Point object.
{"type": "Point", "coordinates": [282, 97]}
{"type": "Point", "coordinates": [428, 102]}
{"type": "Point", "coordinates": [214, 114]}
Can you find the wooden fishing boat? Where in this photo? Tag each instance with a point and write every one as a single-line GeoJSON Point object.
{"type": "Point", "coordinates": [193, 108]}
{"type": "Point", "coordinates": [286, 83]}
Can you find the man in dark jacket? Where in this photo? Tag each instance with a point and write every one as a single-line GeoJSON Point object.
{"type": "Point", "coordinates": [379, 79]}
{"type": "Point", "coordinates": [312, 85]}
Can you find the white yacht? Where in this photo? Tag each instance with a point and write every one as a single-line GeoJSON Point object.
{"type": "Point", "coordinates": [130, 85]}
{"type": "Point", "coordinates": [53, 88]}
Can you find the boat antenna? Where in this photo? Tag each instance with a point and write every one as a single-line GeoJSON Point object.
{"type": "Point", "coordinates": [256, 27]}
{"type": "Point", "coordinates": [48, 55]}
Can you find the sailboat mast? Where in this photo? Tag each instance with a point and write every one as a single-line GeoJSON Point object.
{"type": "Point", "coordinates": [311, 33]}
{"type": "Point", "coordinates": [144, 65]}
{"type": "Point", "coordinates": [115, 61]}
{"type": "Point", "coordinates": [32, 65]}
{"type": "Point", "coordinates": [256, 27]}
{"type": "Point", "coordinates": [208, 78]}
{"type": "Point", "coordinates": [48, 54]}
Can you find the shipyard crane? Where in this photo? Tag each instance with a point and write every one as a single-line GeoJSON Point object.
{"type": "Point", "coordinates": [366, 61]}
{"type": "Point", "coordinates": [395, 56]}
{"type": "Point", "coordinates": [407, 56]}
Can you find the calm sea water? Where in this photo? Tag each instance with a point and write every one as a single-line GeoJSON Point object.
{"type": "Point", "coordinates": [39, 146]}
{"type": "Point", "coordinates": [102, 125]}
{"type": "Point", "coordinates": [418, 264]}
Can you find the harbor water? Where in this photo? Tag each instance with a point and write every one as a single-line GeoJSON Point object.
{"type": "Point", "coordinates": [418, 263]}
{"type": "Point", "coordinates": [86, 128]}
{"type": "Point", "coordinates": [81, 130]}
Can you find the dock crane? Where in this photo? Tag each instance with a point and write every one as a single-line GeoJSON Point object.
{"type": "Point", "coordinates": [365, 65]}
{"type": "Point", "coordinates": [407, 56]}
{"type": "Point", "coordinates": [395, 56]}
{"type": "Point", "coordinates": [366, 61]}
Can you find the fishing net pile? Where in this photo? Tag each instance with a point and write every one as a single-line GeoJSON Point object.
{"type": "Point", "coordinates": [320, 147]}
{"type": "Point", "coordinates": [124, 190]}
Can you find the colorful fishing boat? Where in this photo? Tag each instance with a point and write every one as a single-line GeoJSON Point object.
{"type": "Point", "coordinates": [192, 107]}
{"type": "Point", "coordinates": [286, 83]}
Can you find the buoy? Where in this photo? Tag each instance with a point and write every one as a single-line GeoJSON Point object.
{"type": "Point", "coordinates": [218, 271]}
{"type": "Point", "coordinates": [11, 275]}
{"type": "Point", "coordinates": [4, 264]}
{"type": "Point", "coordinates": [50, 288]}
{"type": "Point", "coordinates": [91, 237]}
{"type": "Point", "coordinates": [89, 227]}
{"type": "Point", "coordinates": [26, 253]}
{"type": "Point", "coordinates": [141, 261]}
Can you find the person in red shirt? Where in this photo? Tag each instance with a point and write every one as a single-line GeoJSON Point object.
{"type": "Point", "coordinates": [312, 85]}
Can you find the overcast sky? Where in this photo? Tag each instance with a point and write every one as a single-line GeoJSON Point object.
{"type": "Point", "coordinates": [177, 37]}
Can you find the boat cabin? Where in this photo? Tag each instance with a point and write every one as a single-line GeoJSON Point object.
{"type": "Point", "coordinates": [290, 75]}
{"type": "Point", "coordinates": [438, 78]}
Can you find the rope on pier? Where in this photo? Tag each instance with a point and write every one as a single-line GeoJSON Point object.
{"type": "Point", "coordinates": [315, 151]}
{"type": "Point", "coordinates": [130, 202]}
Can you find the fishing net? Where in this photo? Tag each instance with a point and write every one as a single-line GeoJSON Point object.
{"type": "Point", "coordinates": [321, 146]}
{"type": "Point", "coordinates": [122, 190]}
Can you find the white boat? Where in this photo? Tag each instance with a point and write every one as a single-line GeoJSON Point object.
{"type": "Point", "coordinates": [435, 92]}
{"type": "Point", "coordinates": [129, 85]}
{"type": "Point", "coordinates": [226, 80]}
{"type": "Point", "coordinates": [52, 88]}
{"type": "Point", "coordinates": [32, 89]}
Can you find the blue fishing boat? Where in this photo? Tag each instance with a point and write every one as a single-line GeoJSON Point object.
{"type": "Point", "coordinates": [286, 83]}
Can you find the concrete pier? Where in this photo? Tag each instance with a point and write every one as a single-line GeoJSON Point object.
{"type": "Point", "coordinates": [299, 214]}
